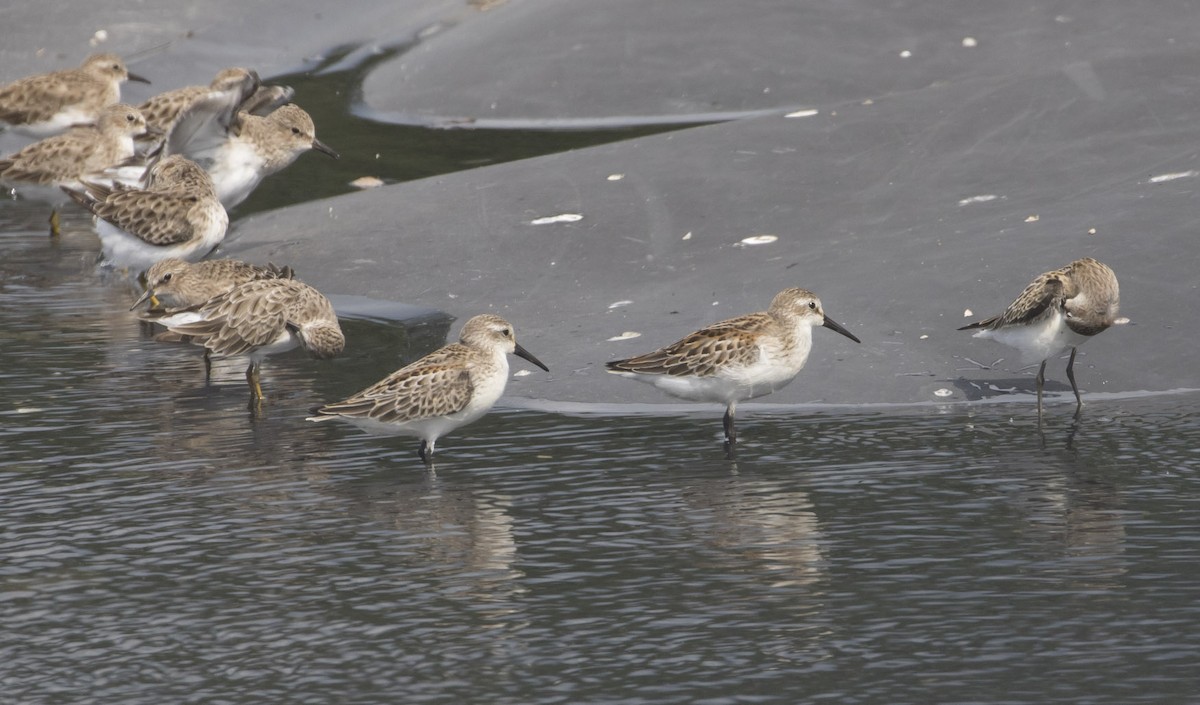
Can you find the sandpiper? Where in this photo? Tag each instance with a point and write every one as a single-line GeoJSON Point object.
{"type": "Point", "coordinates": [1060, 309]}
{"type": "Point", "coordinates": [238, 148]}
{"type": "Point", "coordinates": [173, 283]}
{"type": "Point", "coordinates": [447, 388]}
{"type": "Point", "coordinates": [49, 103]}
{"type": "Point", "coordinates": [177, 214]}
{"type": "Point", "coordinates": [63, 160]}
{"type": "Point", "coordinates": [260, 318]}
{"type": "Point", "coordinates": [738, 358]}
{"type": "Point", "coordinates": [164, 109]}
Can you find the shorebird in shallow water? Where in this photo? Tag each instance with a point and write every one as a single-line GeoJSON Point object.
{"type": "Point", "coordinates": [238, 148]}
{"type": "Point", "coordinates": [447, 388]}
{"type": "Point", "coordinates": [176, 214]}
{"type": "Point", "coordinates": [260, 318]}
{"type": "Point", "coordinates": [49, 103]}
{"type": "Point", "coordinates": [1060, 309]}
{"type": "Point", "coordinates": [164, 109]}
{"type": "Point", "coordinates": [63, 160]}
{"type": "Point", "coordinates": [739, 358]}
{"type": "Point", "coordinates": [173, 283]}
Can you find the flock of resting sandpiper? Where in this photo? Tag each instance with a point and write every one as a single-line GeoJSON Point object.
{"type": "Point", "coordinates": [159, 177]}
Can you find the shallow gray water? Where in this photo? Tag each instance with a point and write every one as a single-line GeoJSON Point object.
{"type": "Point", "coordinates": [161, 543]}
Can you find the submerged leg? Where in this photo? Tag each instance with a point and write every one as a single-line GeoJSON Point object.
{"type": "Point", "coordinates": [55, 230]}
{"type": "Point", "coordinates": [252, 380]}
{"type": "Point", "coordinates": [1071, 376]}
{"type": "Point", "coordinates": [730, 431]}
{"type": "Point", "coordinates": [207, 366]}
{"type": "Point", "coordinates": [1041, 381]}
{"type": "Point", "coordinates": [426, 451]}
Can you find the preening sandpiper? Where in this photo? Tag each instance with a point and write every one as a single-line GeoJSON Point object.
{"type": "Point", "coordinates": [173, 283]}
{"type": "Point", "coordinates": [260, 318]}
{"type": "Point", "coordinates": [1059, 310]}
{"type": "Point", "coordinates": [176, 214]}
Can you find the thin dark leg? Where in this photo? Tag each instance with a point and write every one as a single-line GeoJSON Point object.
{"type": "Point", "coordinates": [55, 230]}
{"type": "Point", "coordinates": [426, 452]}
{"type": "Point", "coordinates": [207, 366]}
{"type": "Point", "coordinates": [730, 431]}
{"type": "Point", "coordinates": [1074, 387]}
{"type": "Point", "coordinates": [1041, 381]}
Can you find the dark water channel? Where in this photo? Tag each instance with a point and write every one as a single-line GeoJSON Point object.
{"type": "Point", "coordinates": [161, 544]}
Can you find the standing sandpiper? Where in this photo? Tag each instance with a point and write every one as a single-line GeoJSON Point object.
{"type": "Point", "coordinates": [1059, 310]}
{"type": "Point", "coordinates": [49, 103]}
{"type": "Point", "coordinates": [177, 214]}
{"type": "Point", "coordinates": [164, 109]}
{"type": "Point", "coordinates": [173, 283]}
{"type": "Point", "coordinates": [63, 160]}
{"type": "Point", "coordinates": [739, 358]}
{"type": "Point", "coordinates": [239, 149]}
{"type": "Point", "coordinates": [448, 388]}
{"type": "Point", "coordinates": [260, 318]}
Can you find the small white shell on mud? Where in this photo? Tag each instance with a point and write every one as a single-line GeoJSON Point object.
{"type": "Point", "coordinates": [563, 218]}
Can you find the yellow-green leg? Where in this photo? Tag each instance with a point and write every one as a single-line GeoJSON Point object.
{"type": "Point", "coordinates": [252, 379]}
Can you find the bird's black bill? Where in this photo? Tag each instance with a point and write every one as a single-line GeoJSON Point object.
{"type": "Point", "coordinates": [146, 296]}
{"type": "Point", "coordinates": [140, 79]}
{"type": "Point", "coordinates": [834, 325]}
{"type": "Point", "coordinates": [325, 149]}
{"type": "Point", "coordinates": [522, 352]}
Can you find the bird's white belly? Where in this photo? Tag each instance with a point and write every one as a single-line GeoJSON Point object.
{"type": "Point", "coordinates": [1041, 341]}
{"type": "Point", "coordinates": [236, 169]}
{"type": "Point", "coordinates": [59, 123]}
{"type": "Point", "coordinates": [730, 384]}
{"type": "Point", "coordinates": [286, 340]}
{"type": "Point", "coordinates": [120, 249]}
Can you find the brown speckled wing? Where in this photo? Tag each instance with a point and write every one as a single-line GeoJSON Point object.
{"type": "Point", "coordinates": [436, 385]}
{"type": "Point", "coordinates": [45, 162]}
{"type": "Point", "coordinates": [1038, 300]}
{"type": "Point", "coordinates": [17, 102]}
{"type": "Point", "coordinates": [157, 218]}
{"type": "Point", "coordinates": [163, 109]}
{"type": "Point", "coordinates": [239, 321]}
{"type": "Point", "coordinates": [701, 354]}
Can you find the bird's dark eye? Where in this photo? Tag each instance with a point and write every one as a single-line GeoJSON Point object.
{"type": "Point", "coordinates": [812, 305]}
{"type": "Point", "coordinates": [506, 333]}
{"type": "Point", "coordinates": [130, 117]}
{"type": "Point", "coordinates": [167, 277]}
{"type": "Point", "coordinates": [295, 130]}
{"type": "Point", "coordinates": [116, 67]}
